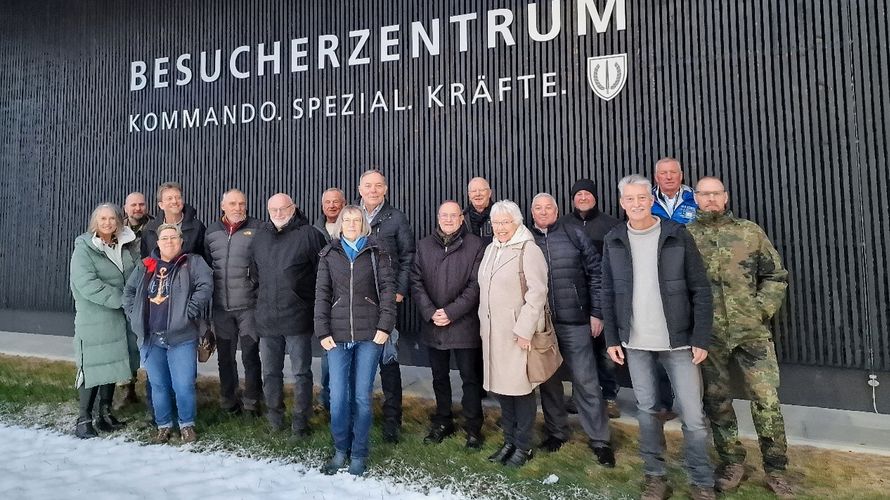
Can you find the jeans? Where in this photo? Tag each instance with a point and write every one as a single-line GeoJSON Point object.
{"type": "Point", "coordinates": [324, 396]}
{"type": "Point", "coordinates": [352, 366]}
{"type": "Point", "coordinates": [272, 351]}
{"type": "Point", "coordinates": [232, 327]}
{"type": "Point", "coordinates": [518, 419]}
{"type": "Point", "coordinates": [687, 382]}
{"type": "Point", "coordinates": [605, 369]}
{"type": "Point", "coordinates": [471, 378]}
{"type": "Point", "coordinates": [172, 371]}
{"type": "Point", "coordinates": [580, 363]}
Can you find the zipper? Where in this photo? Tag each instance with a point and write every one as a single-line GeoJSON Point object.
{"type": "Point", "coordinates": [351, 299]}
{"type": "Point", "coordinates": [550, 290]}
{"type": "Point", "coordinates": [226, 270]}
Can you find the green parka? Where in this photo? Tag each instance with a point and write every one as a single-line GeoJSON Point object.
{"type": "Point", "coordinates": [105, 349]}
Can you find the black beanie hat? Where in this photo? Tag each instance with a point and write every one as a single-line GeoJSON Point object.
{"type": "Point", "coordinates": [583, 185]}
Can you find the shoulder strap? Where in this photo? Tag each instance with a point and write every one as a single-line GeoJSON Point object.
{"type": "Point", "coordinates": [374, 269]}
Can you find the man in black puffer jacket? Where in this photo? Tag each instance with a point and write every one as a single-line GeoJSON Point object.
{"type": "Point", "coordinates": [174, 211]}
{"type": "Point", "coordinates": [286, 257]}
{"type": "Point", "coordinates": [574, 298]}
{"type": "Point", "coordinates": [447, 295]}
{"type": "Point", "coordinates": [391, 230]}
{"type": "Point", "coordinates": [228, 245]}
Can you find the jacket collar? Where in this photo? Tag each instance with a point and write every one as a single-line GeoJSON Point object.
{"type": "Point", "coordinates": [590, 215]}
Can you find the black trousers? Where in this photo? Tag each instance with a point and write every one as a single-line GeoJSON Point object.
{"type": "Point", "coordinates": [391, 383]}
{"type": "Point", "coordinates": [467, 361]}
{"type": "Point", "coordinates": [87, 399]}
{"type": "Point", "coordinates": [518, 419]}
{"type": "Point", "coordinates": [232, 327]}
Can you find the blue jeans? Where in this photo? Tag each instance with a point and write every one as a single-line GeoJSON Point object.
{"type": "Point", "coordinates": [352, 367]}
{"type": "Point", "coordinates": [325, 395]}
{"type": "Point", "coordinates": [171, 372]}
{"type": "Point", "coordinates": [687, 382]}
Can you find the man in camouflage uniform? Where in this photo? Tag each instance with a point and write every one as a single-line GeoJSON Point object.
{"type": "Point", "coordinates": [748, 283]}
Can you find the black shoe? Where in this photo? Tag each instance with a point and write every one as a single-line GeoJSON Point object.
{"type": "Point", "coordinates": [604, 455]}
{"type": "Point", "coordinates": [391, 432]}
{"type": "Point", "coordinates": [232, 411]}
{"type": "Point", "coordinates": [474, 440]}
{"type": "Point", "coordinates": [85, 429]}
{"type": "Point", "coordinates": [551, 444]}
{"type": "Point", "coordinates": [570, 405]}
{"type": "Point", "coordinates": [438, 433]}
{"type": "Point", "coordinates": [300, 434]}
{"type": "Point", "coordinates": [108, 423]}
{"type": "Point", "coordinates": [504, 453]}
{"type": "Point", "coordinates": [519, 458]}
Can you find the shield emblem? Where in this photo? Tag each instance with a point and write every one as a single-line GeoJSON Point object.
{"type": "Point", "coordinates": [607, 75]}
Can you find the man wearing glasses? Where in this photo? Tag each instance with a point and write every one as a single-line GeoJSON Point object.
{"type": "Point", "coordinates": [285, 252]}
{"type": "Point", "coordinates": [748, 283]}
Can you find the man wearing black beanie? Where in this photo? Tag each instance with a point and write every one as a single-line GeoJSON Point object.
{"type": "Point", "coordinates": [596, 224]}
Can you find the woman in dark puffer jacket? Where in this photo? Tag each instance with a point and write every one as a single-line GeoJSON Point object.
{"type": "Point", "coordinates": [355, 310]}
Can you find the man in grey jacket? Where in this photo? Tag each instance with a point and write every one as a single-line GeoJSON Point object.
{"type": "Point", "coordinates": [228, 245]}
{"type": "Point", "coordinates": [657, 305]}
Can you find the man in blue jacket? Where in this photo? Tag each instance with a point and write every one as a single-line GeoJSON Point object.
{"type": "Point", "coordinates": [673, 199]}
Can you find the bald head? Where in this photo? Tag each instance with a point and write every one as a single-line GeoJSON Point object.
{"type": "Point", "coordinates": [479, 193]}
{"type": "Point", "coordinates": [134, 207]}
{"type": "Point", "coordinates": [281, 209]}
{"type": "Point", "coordinates": [711, 195]}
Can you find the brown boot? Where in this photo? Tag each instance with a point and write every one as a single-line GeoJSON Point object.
{"type": "Point", "coordinates": [656, 488]}
{"type": "Point", "coordinates": [777, 483]}
{"type": "Point", "coordinates": [128, 395]}
{"type": "Point", "coordinates": [729, 477]}
{"type": "Point", "coordinates": [700, 493]}
{"type": "Point", "coordinates": [612, 408]}
{"type": "Point", "coordinates": [162, 436]}
{"type": "Point", "coordinates": [188, 434]}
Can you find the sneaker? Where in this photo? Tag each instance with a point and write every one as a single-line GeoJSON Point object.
{"type": "Point", "coordinates": [438, 433]}
{"type": "Point", "coordinates": [162, 436]}
{"type": "Point", "coordinates": [702, 493]}
{"type": "Point", "coordinates": [729, 476]}
{"type": "Point", "coordinates": [188, 434]}
{"type": "Point", "coordinates": [358, 466]}
{"type": "Point", "coordinates": [519, 458]}
{"type": "Point", "coordinates": [85, 430]}
{"type": "Point", "coordinates": [665, 415]}
{"type": "Point", "coordinates": [503, 453]}
{"type": "Point", "coordinates": [777, 483]}
{"type": "Point", "coordinates": [604, 455]}
{"type": "Point", "coordinates": [551, 444]}
{"type": "Point", "coordinates": [335, 464]}
{"type": "Point", "coordinates": [656, 488]}
{"type": "Point", "coordinates": [474, 440]}
{"type": "Point", "coordinates": [612, 408]}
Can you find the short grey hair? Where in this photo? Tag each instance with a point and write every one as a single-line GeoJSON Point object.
{"type": "Point", "coordinates": [509, 208]}
{"type": "Point", "coordinates": [373, 171]}
{"type": "Point", "coordinates": [334, 190]}
{"type": "Point", "coordinates": [168, 185]}
{"type": "Point", "coordinates": [634, 179]}
{"type": "Point", "coordinates": [93, 225]}
{"type": "Point", "coordinates": [544, 195]}
{"type": "Point", "coordinates": [175, 227]}
{"type": "Point", "coordinates": [352, 209]}
{"type": "Point", "coordinates": [231, 191]}
{"type": "Point", "coordinates": [668, 159]}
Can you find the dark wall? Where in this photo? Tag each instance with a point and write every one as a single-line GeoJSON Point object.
{"type": "Point", "coordinates": [787, 101]}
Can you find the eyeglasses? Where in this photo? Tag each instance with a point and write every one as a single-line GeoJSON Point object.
{"type": "Point", "coordinates": [449, 216]}
{"type": "Point", "coordinates": [282, 210]}
{"type": "Point", "coordinates": [501, 222]}
{"type": "Point", "coordinates": [638, 198]}
{"type": "Point", "coordinates": [709, 194]}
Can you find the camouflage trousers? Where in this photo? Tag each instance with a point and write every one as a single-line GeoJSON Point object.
{"type": "Point", "coordinates": [757, 362]}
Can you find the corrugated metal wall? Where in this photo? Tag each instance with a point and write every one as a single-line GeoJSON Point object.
{"type": "Point", "coordinates": [787, 101]}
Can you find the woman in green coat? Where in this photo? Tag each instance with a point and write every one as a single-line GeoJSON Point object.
{"type": "Point", "coordinates": [105, 350]}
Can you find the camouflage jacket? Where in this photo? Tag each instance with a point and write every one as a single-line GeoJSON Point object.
{"type": "Point", "coordinates": [746, 273]}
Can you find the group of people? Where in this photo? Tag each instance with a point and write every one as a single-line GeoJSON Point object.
{"type": "Point", "coordinates": [683, 287]}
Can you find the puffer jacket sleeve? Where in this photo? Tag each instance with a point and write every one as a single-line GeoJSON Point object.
{"type": "Point", "coordinates": [591, 259]}
{"type": "Point", "coordinates": [535, 268]}
{"type": "Point", "coordinates": [386, 283]}
{"type": "Point", "coordinates": [130, 289]}
{"type": "Point", "coordinates": [468, 300]}
{"type": "Point", "coordinates": [324, 290]}
{"type": "Point", "coordinates": [202, 284]}
{"type": "Point", "coordinates": [406, 249]}
{"type": "Point", "coordinates": [85, 280]}
{"type": "Point", "coordinates": [607, 300]}
{"type": "Point", "coordinates": [699, 292]}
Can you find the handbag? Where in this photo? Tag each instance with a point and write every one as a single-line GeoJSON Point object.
{"type": "Point", "coordinates": [390, 352]}
{"type": "Point", "coordinates": [206, 345]}
{"type": "Point", "coordinates": [544, 357]}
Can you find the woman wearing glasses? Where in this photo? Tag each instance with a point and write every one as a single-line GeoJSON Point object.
{"type": "Point", "coordinates": [166, 299]}
{"type": "Point", "coordinates": [105, 353]}
{"type": "Point", "coordinates": [355, 309]}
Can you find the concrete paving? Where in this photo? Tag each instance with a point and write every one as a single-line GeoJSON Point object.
{"type": "Point", "coordinates": [819, 427]}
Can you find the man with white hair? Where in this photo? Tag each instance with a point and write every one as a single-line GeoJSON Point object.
{"type": "Point", "coordinates": [285, 253]}
{"type": "Point", "coordinates": [657, 306]}
{"type": "Point", "coordinates": [673, 199]}
{"type": "Point", "coordinates": [477, 216]}
{"type": "Point", "coordinates": [574, 295]}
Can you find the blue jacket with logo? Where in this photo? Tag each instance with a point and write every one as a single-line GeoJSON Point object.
{"type": "Point", "coordinates": [684, 212]}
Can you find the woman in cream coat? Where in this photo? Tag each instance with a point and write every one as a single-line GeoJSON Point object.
{"type": "Point", "coordinates": [508, 321]}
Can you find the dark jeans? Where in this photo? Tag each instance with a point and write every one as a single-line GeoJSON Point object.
{"type": "Point", "coordinates": [578, 359]}
{"type": "Point", "coordinates": [272, 351]}
{"type": "Point", "coordinates": [471, 378]}
{"type": "Point", "coordinates": [351, 366]}
{"type": "Point", "coordinates": [230, 327]}
{"type": "Point", "coordinates": [324, 397]}
{"type": "Point", "coordinates": [518, 419]}
{"type": "Point", "coordinates": [605, 369]}
{"type": "Point", "coordinates": [391, 383]}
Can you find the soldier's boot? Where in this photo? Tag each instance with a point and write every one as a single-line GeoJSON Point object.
{"type": "Point", "coordinates": [778, 484]}
{"type": "Point", "coordinates": [729, 477]}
